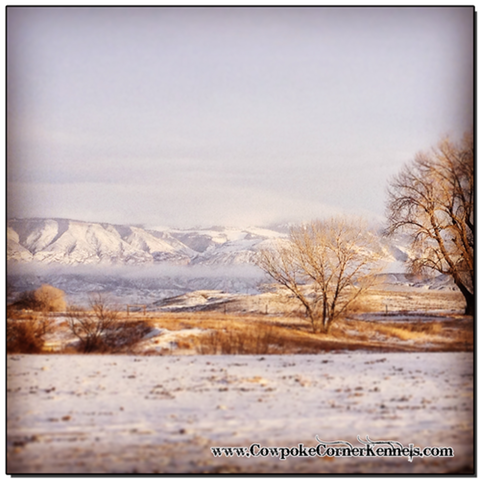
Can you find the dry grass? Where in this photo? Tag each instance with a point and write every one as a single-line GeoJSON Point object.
{"type": "Point", "coordinates": [251, 339]}
{"type": "Point", "coordinates": [413, 300]}
{"type": "Point", "coordinates": [403, 330]}
{"type": "Point", "coordinates": [261, 334]}
{"type": "Point", "coordinates": [27, 335]}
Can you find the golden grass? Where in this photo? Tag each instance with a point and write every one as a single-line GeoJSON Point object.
{"type": "Point", "coordinates": [261, 334]}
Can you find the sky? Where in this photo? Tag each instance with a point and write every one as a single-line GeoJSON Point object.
{"type": "Point", "coordinates": [194, 117]}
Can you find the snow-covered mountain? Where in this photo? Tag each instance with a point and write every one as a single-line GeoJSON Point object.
{"type": "Point", "coordinates": [131, 262]}
{"type": "Point", "coordinates": [71, 242]}
{"type": "Point", "coordinates": [139, 265]}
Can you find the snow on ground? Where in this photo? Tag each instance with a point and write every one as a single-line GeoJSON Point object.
{"type": "Point", "coordinates": [160, 339]}
{"type": "Point", "coordinates": [129, 414]}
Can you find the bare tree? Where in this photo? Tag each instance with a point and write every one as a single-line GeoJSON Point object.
{"type": "Point", "coordinates": [325, 265]}
{"type": "Point", "coordinates": [102, 329]}
{"type": "Point", "coordinates": [97, 329]}
{"type": "Point", "coordinates": [432, 200]}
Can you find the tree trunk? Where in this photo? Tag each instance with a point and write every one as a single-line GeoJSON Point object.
{"type": "Point", "coordinates": [325, 315]}
{"type": "Point", "coordinates": [469, 298]}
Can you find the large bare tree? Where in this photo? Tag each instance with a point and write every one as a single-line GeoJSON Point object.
{"type": "Point", "coordinates": [432, 199]}
{"type": "Point", "coordinates": [325, 265]}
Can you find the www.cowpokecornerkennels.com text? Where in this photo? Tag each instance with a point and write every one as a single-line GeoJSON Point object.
{"type": "Point", "coordinates": [339, 449]}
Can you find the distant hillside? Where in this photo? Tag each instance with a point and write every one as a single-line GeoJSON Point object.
{"type": "Point", "coordinates": [71, 242]}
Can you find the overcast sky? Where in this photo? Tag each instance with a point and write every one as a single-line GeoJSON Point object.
{"type": "Point", "coordinates": [190, 117]}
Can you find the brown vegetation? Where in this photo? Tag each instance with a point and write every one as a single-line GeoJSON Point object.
{"type": "Point", "coordinates": [27, 335]}
{"type": "Point", "coordinates": [103, 329]}
{"type": "Point", "coordinates": [45, 299]}
{"type": "Point", "coordinates": [100, 330]}
{"type": "Point", "coordinates": [257, 339]}
{"type": "Point", "coordinates": [257, 334]}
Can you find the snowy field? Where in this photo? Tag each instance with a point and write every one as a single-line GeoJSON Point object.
{"type": "Point", "coordinates": [162, 414]}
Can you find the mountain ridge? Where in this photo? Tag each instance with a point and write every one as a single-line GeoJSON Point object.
{"type": "Point", "coordinates": [77, 242]}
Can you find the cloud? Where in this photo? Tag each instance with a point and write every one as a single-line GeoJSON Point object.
{"type": "Point", "coordinates": [163, 270]}
{"type": "Point", "coordinates": [188, 117]}
{"type": "Point", "coordinates": [191, 203]}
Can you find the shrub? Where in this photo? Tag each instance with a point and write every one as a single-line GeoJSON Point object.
{"type": "Point", "coordinates": [26, 301]}
{"type": "Point", "coordinates": [44, 299]}
{"type": "Point", "coordinates": [101, 330]}
{"type": "Point", "coordinates": [50, 299]}
{"type": "Point", "coordinates": [27, 336]}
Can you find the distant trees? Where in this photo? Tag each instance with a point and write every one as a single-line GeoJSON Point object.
{"type": "Point", "coordinates": [325, 265]}
{"type": "Point", "coordinates": [432, 200]}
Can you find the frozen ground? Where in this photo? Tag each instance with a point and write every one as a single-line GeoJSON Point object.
{"type": "Point", "coordinates": [129, 414]}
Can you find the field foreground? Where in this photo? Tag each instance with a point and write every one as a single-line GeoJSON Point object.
{"type": "Point", "coordinates": [162, 414]}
